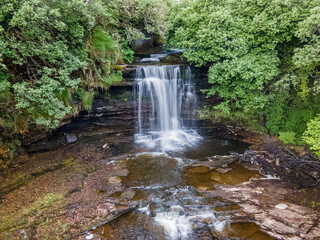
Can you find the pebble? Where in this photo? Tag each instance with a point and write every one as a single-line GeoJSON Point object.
{"type": "Point", "coordinates": [281, 206]}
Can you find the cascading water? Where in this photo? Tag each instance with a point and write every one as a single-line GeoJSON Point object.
{"type": "Point", "coordinates": [166, 107]}
{"type": "Point", "coordinates": [154, 57]}
{"type": "Point", "coordinates": [170, 190]}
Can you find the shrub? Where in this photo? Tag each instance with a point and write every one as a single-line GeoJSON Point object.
{"type": "Point", "coordinates": [287, 137]}
{"type": "Point", "coordinates": [312, 135]}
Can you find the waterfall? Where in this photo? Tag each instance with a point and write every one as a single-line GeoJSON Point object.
{"type": "Point", "coordinates": [166, 106]}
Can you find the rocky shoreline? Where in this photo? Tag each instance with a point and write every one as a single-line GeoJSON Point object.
{"type": "Point", "coordinates": [69, 194]}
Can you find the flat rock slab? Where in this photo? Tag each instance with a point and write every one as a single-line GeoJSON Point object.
{"type": "Point", "coordinates": [61, 193]}
{"type": "Point", "coordinates": [128, 195]}
{"type": "Point", "coordinates": [276, 207]}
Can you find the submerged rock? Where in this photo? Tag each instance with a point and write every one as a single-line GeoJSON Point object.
{"type": "Point", "coordinates": [223, 170]}
{"type": "Point", "coordinates": [221, 161]}
{"type": "Point", "coordinates": [127, 195]}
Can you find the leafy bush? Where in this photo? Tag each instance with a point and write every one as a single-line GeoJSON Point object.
{"type": "Point", "coordinates": [242, 41]}
{"type": "Point", "coordinates": [312, 135]}
{"type": "Point", "coordinates": [54, 51]}
{"type": "Point", "coordinates": [287, 137]}
{"type": "Point", "coordinates": [263, 58]}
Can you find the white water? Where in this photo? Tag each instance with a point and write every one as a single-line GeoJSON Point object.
{"type": "Point", "coordinates": [178, 225]}
{"type": "Point", "coordinates": [154, 58]}
{"type": "Point", "coordinates": [166, 107]}
{"type": "Point", "coordinates": [166, 111]}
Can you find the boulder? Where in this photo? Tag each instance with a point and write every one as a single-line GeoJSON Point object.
{"type": "Point", "coordinates": [71, 138]}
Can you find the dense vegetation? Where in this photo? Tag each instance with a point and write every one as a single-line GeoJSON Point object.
{"type": "Point", "coordinates": [55, 53]}
{"type": "Point", "coordinates": [263, 58]}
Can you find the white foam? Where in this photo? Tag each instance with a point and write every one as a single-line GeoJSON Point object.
{"type": "Point", "coordinates": [175, 226]}
{"type": "Point", "coordinates": [90, 236]}
{"type": "Point", "coordinates": [269, 177]}
{"type": "Point", "coordinates": [154, 58]}
{"type": "Point", "coordinates": [145, 210]}
{"type": "Point", "coordinates": [178, 225]}
{"type": "Point", "coordinates": [219, 225]}
{"type": "Point", "coordinates": [169, 140]}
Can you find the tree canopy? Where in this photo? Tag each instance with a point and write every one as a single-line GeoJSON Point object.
{"type": "Point", "coordinates": [263, 56]}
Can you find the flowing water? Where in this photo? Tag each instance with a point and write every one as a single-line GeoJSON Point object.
{"type": "Point", "coordinates": [165, 171]}
{"type": "Point", "coordinates": [166, 107]}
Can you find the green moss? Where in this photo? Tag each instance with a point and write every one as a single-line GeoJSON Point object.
{"type": "Point", "coordinates": [68, 162]}
{"type": "Point", "coordinates": [41, 204]}
{"type": "Point", "coordinates": [118, 67]}
{"type": "Point", "coordinates": [20, 218]}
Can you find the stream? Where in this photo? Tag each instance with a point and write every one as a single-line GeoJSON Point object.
{"type": "Point", "coordinates": [167, 179]}
{"type": "Point", "coordinates": [142, 164]}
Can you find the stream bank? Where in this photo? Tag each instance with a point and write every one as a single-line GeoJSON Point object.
{"type": "Point", "coordinates": [92, 171]}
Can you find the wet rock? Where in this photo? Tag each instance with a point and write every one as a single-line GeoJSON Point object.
{"type": "Point", "coordinates": [251, 166]}
{"type": "Point", "coordinates": [276, 161]}
{"type": "Point", "coordinates": [199, 223]}
{"type": "Point", "coordinates": [101, 191]}
{"type": "Point", "coordinates": [120, 172]}
{"type": "Point", "coordinates": [129, 71]}
{"type": "Point", "coordinates": [142, 44]}
{"type": "Point", "coordinates": [218, 161]}
{"type": "Point", "coordinates": [105, 146]}
{"type": "Point", "coordinates": [71, 138]}
{"type": "Point", "coordinates": [114, 180]}
{"type": "Point", "coordinates": [223, 170]}
{"type": "Point", "coordinates": [128, 195]}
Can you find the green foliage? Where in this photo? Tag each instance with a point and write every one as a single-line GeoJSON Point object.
{"type": "Point", "coordinates": [312, 135]}
{"type": "Point", "coordinates": [263, 58]}
{"type": "Point", "coordinates": [287, 137]}
{"type": "Point", "coordinates": [236, 117]}
{"type": "Point", "coordinates": [87, 99]}
{"type": "Point", "coordinates": [102, 43]}
{"type": "Point", "coordinates": [46, 45]}
{"type": "Point", "coordinates": [242, 41]}
{"type": "Point", "coordinates": [50, 51]}
{"type": "Point", "coordinates": [241, 81]}
{"type": "Point", "coordinates": [308, 56]}
{"type": "Point", "coordinates": [127, 52]}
